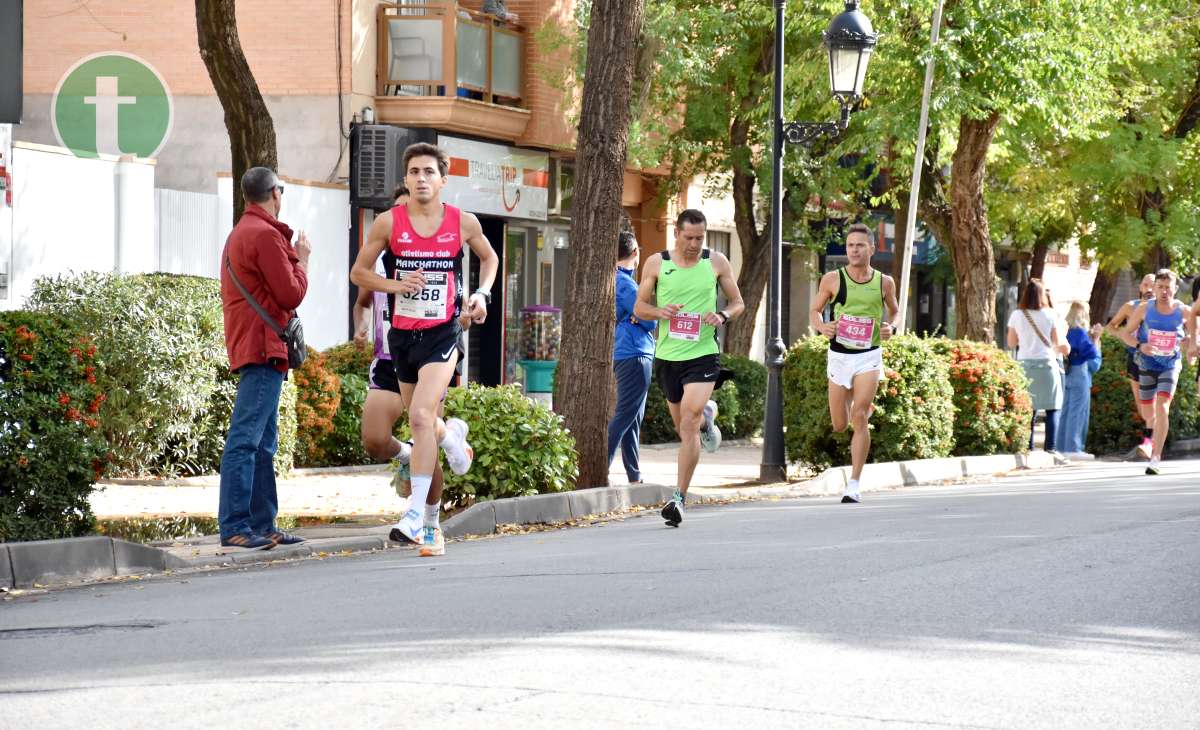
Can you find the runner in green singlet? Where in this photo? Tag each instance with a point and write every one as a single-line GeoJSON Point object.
{"type": "Point", "coordinates": [855, 361]}
{"type": "Point", "coordinates": [679, 286]}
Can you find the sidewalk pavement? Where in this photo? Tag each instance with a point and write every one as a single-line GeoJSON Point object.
{"type": "Point", "coordinates": [364, 502]}
{"type": "Point", "coordinates": [367, 491]}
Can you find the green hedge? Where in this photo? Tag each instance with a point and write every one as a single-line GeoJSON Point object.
{"type": "Point", "coordinates": [51, 409]}
{"type": "Point", "coordinates": [751, 386]}
{"type": "Point", "coordinates": [165, 369]}
{"type": "Point", "coordinates": [914, 407]}
{"type": "Point", "coordinates": [521, 447]}
{"type": "Point", "coordinates": [992, 409]}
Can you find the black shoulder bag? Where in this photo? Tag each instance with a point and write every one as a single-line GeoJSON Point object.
{"type": "Point", "coordinates": [292, 335]}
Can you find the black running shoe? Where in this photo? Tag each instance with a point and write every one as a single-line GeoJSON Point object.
{"type": "Point", "coordinates": [672, 512]}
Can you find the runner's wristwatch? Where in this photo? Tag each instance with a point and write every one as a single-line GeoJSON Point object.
{"type": "Point", "coordinates": [724, 317]}
{"type": "Point", "coordinates": [485, 293]}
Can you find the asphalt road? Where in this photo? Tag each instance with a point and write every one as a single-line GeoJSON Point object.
{"type": "Point", "coordinates": [1063, 600]}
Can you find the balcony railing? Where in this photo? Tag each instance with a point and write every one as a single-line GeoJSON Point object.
{"type": "Point", "coordinates": [439, 48]}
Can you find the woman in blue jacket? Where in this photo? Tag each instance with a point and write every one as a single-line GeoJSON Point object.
{"type": "Point", "coordinates": [633, 355]}
{"type": "Point", "coordinates": [1081, 363]}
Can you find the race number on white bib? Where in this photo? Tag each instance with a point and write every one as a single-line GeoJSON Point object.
{"type": "Point", "coordinates": [432, 302]}
{"type": "Point", "coordinates": [856, 333]}
{"type": "Point", "coordinates": [685, 326]}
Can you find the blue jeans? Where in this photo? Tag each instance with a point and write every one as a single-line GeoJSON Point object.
{"type": "Point", "coordinates": [1051, 429]}
{"type": "Point", "coordinates": [1077, 404]}
{"type": "Point", "coordinates": [625, 429]}
{"type": "Point", "coordinates": [248, 499]}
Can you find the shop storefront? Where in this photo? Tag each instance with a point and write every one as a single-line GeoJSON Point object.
{"type": "Point", "coordinates": [518, 196]}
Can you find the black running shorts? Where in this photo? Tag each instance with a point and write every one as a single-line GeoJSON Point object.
{"type": "Point", "coordinates": [383, 376]}
{"type": "Point", "coordinates": [414, 349]}
{"type": "Point", "coordinates": [672, 375]}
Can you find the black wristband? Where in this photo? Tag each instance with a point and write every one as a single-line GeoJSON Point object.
{"type": "Point", "coordinates": [724, 317]}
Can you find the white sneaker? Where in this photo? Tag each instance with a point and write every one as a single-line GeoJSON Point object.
{"type": "Point", "coordinates": [851, 494]}
{"type": "Point", "coordinates": [710, 433]}
{"type": "Point", "coordinates": [409, 528]}
{"type": "Point", "coordinates": [1080, 456]}
{"type": "Point", "coordinates": [459, 453]}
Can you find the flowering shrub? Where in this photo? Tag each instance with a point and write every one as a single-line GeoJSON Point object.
{"type": "Point", "coordinates": [914, 408]}
{"type": "Point", "coordinates": [992, 409]}
{"type": "Point", "coordinates": [350, 358]}
{"type": "Point", "coordinates": [318, 395]}
{"type": "Point", "coordinates": [165, 370]}
{"type": "Point", "coordinates": [51, 445]}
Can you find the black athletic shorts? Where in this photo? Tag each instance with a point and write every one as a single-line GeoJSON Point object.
{"type": "Point", "coordinates": [413, 349]}
{"type": "Point", "coordinates": [672, 375]}
{"type": "Point", "coordinates": [1131, 365]}
{"type": "Point", "coordinates": [383, 376]}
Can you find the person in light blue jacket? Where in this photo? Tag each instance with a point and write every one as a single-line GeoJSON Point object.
{"type": "Point", "coordinates": [1083, 361]}
{"type": "Point", "coordinates": [633, 355]}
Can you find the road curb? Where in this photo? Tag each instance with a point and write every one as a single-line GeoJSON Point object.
{"type": "Point", "coordinates": [888, 475]}
{"type": "Point", "coordinates": [22, 564]}
{"type": "Point", "coordinates": [483, 518]}
{"type": "Point", "coordinates": [44, 562]}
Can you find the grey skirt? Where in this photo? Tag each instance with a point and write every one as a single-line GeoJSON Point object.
{"type": "Point", "coordinates": [1045, 383]}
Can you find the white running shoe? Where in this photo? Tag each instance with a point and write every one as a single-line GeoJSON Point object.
{"type": "Point", "coordinates": [433, 543]}
{"type": "Point", "coordinates": [851, 494]}
{"type": "Point", "coordinates": [459, 453]}
{"type": "Point", "coordinates": [710, 433]}
{"type": "Point", "coordinates": [409, 528]}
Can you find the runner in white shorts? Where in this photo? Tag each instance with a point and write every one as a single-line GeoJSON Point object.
{"type": "Point", "coordinates": [859, 295]}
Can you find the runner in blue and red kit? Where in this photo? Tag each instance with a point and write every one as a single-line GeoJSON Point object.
{"type": "Point", "coordinates": [1159, 330]}
{"type": "Point", "coordinates": [425, 241]}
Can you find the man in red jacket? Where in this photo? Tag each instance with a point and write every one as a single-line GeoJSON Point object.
{"type": "Point", "coordinates": [260, 254]}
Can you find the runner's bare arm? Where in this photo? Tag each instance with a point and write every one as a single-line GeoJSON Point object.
{"type": "Point", "coordinates": [361, 306]}
{"type": "Point", "coordinates": [363, 272]}
{"type": "Point", "coordinates": [888, 327]}
{"type": "Point", "coordinates": [645, 306]}
{"type": "Point", "coordinates": [1118, 320]}
{"type": "Point", "coordinates": [489, 264]}
{"type": "Point", "coordinates": [734, 306]}
{"type": "Point", "coordinates": [826, 291]}
{"type": "Point", "coordinates": [1129, 333]}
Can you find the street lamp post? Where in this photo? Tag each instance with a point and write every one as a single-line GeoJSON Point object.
{"type": "Point", "coordinates": [850, 40]}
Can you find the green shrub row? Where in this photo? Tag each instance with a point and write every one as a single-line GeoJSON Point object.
{"type": "Point", "coordinates": [914, 406]}
{"type": "Point", "coordinates": [164, 372]}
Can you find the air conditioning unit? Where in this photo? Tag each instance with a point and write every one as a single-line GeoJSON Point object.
{"type": "Point", "coordinates": [376, 157]}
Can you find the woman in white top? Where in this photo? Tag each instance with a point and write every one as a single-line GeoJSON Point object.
{"type": "Point", "coordinates": [1034, 332]}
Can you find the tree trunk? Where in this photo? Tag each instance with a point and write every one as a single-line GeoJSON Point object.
{"type": "Point", "coordinates": [247, 120]}
{"type": "Point", "coordinates": [971, 242]}
{"type": "Point", "coordinates": [1103, 289]}
{"type": "Point", "coordinates": [1037, 265]}
{"type": "Point", "coordinates": [586, 359]}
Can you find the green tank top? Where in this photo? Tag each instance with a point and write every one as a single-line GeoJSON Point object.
{"type": "Point", "coordinates": [686, 337]}
{"type": "Point", "coordinates": [862, 304]}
